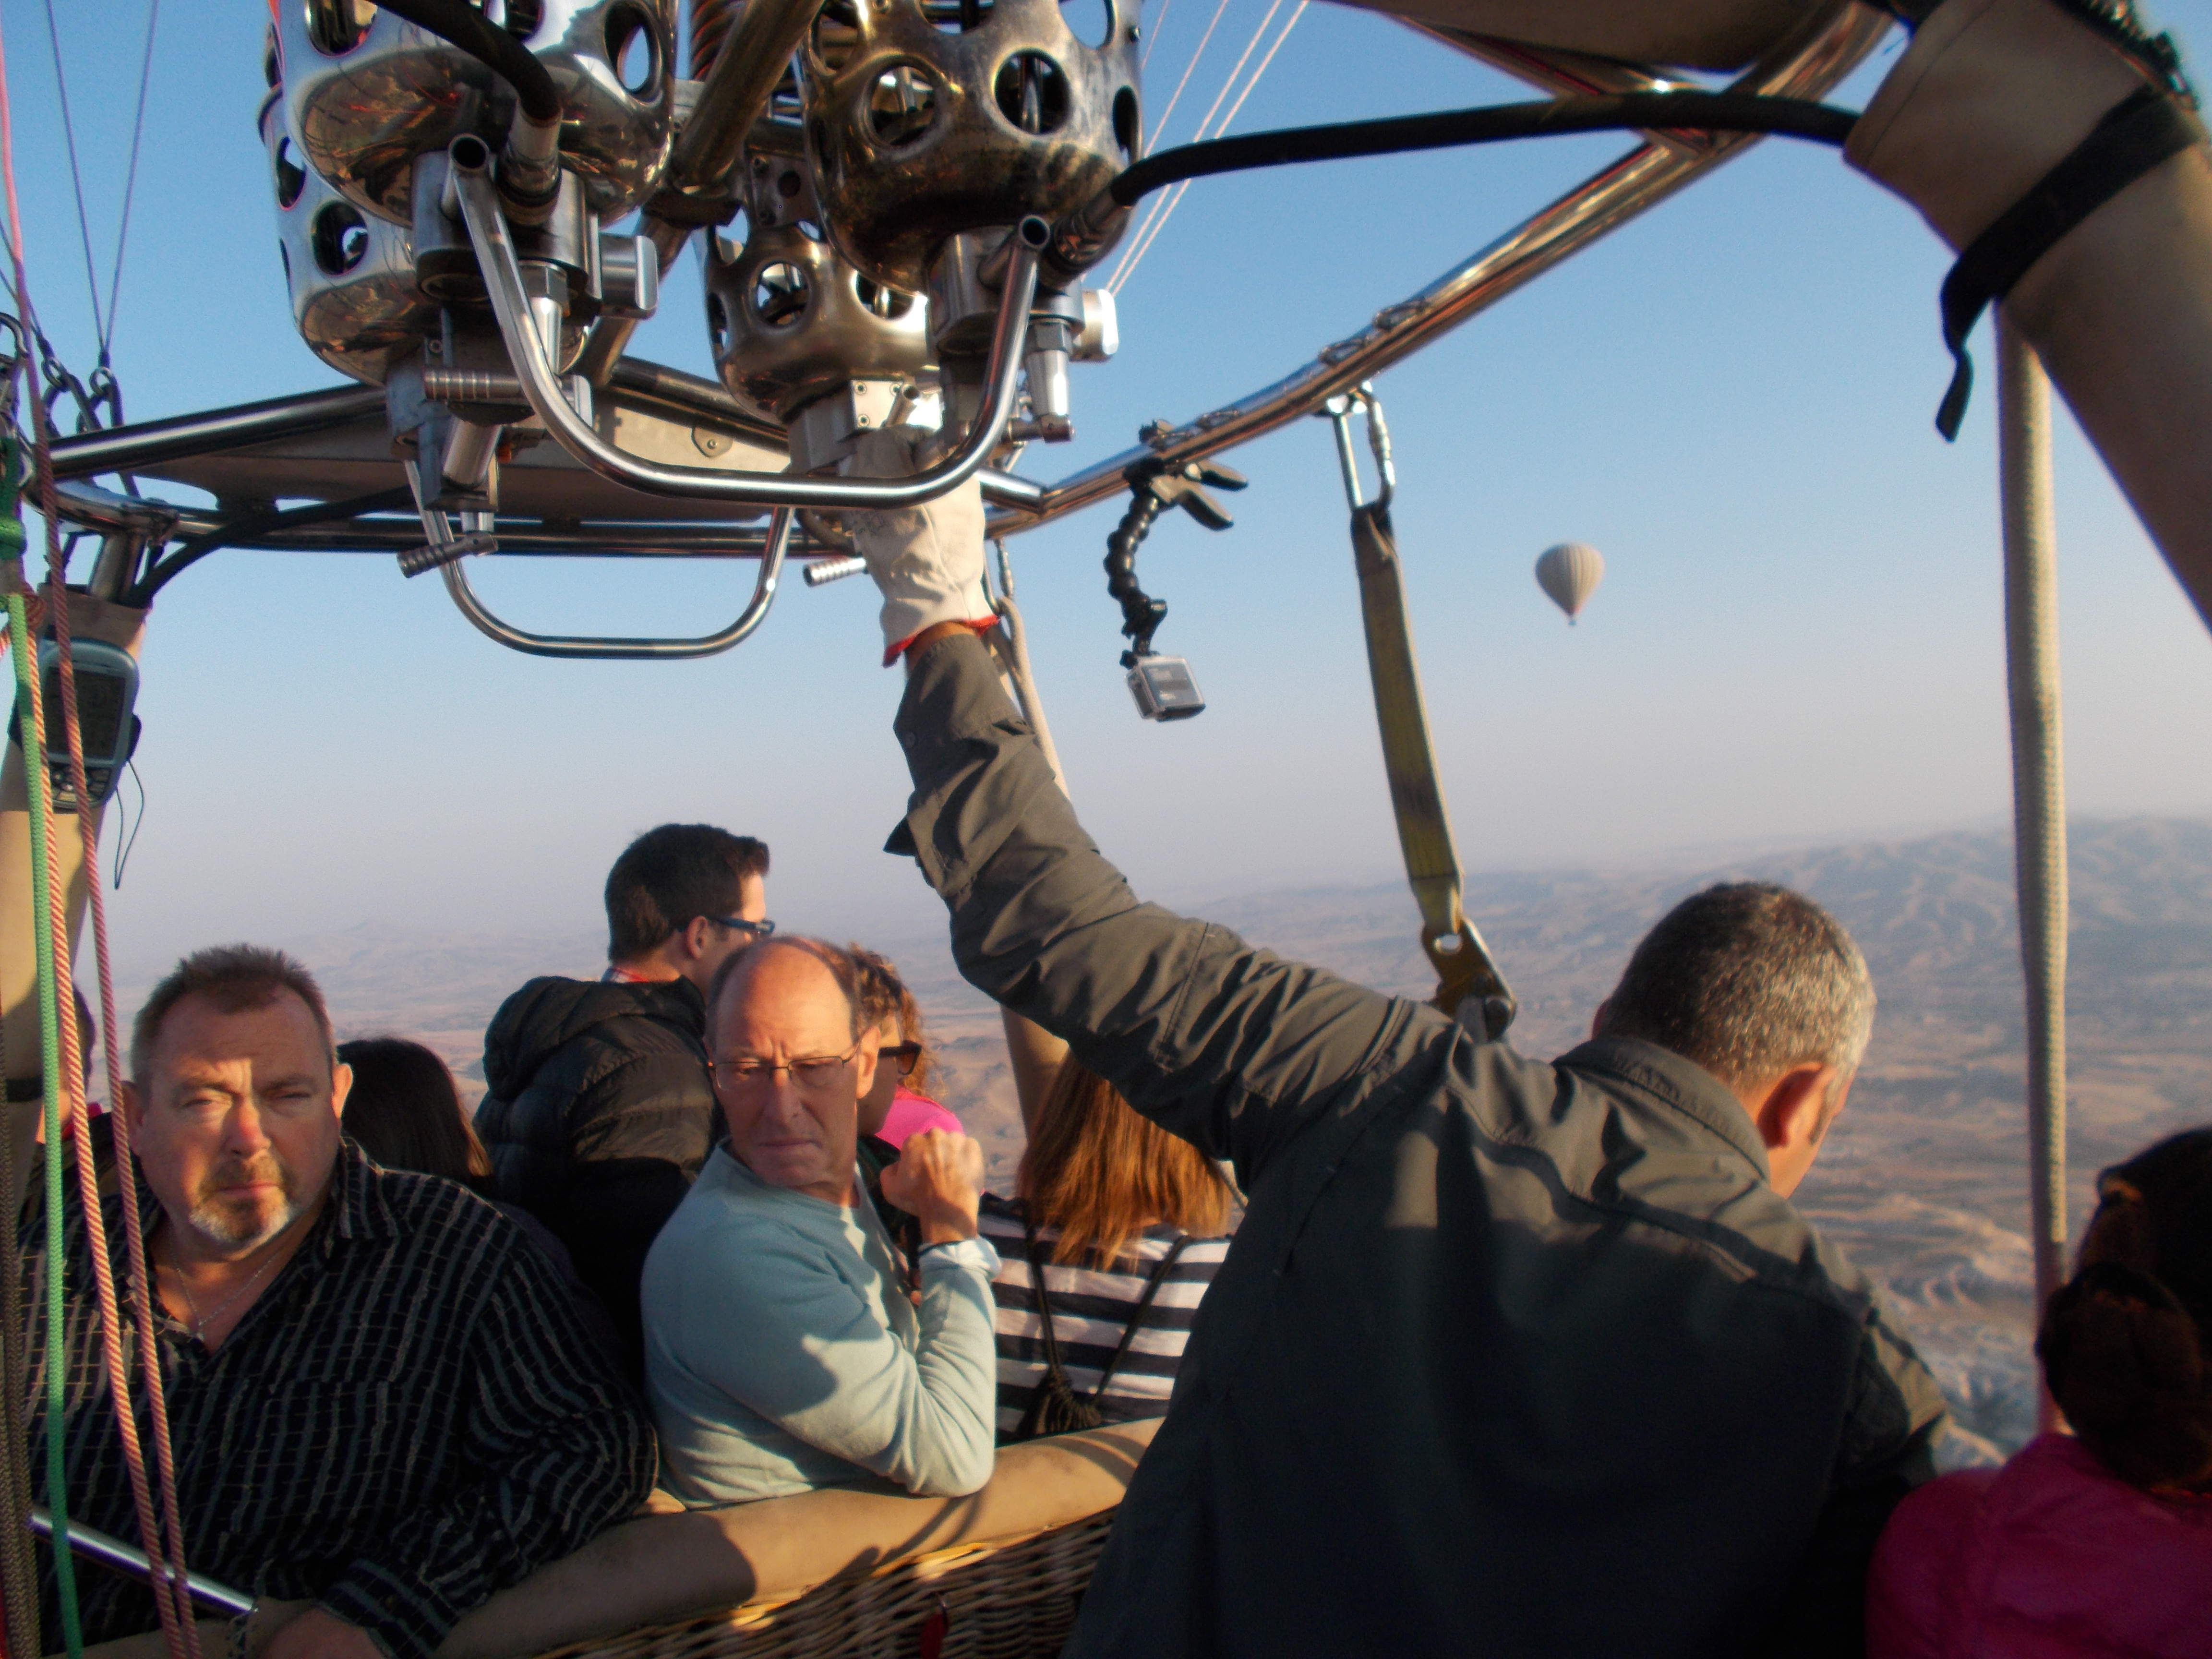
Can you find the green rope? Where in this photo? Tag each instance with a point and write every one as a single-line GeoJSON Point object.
{"type": "Point", "coordinates": [49, 1045]}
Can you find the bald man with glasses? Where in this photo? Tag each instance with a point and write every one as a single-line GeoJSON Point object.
{"type": "Point", "coordinates": [783, 1351]}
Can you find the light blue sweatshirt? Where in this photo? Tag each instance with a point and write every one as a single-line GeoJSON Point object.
{"type": "Point", "coordinates": [782, 1354]}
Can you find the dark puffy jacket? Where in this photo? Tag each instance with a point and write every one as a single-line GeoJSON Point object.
{"type": "Point", "coordinates": [599, 1114]}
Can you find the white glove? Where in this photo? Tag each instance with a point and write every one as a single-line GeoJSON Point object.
{"type": "Point", "coordinates": [928, 560]}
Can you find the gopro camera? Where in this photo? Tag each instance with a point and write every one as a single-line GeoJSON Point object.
{"type": "Point", "coordinates": [1164, 690]}
{"type": "Point", "coordinates": [106, 688]}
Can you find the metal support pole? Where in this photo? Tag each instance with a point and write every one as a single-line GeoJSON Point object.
{"type": "Point", "coordinates": [2039, 785]}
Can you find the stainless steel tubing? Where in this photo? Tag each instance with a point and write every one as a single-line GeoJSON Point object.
{"type": "Point", "coordinates": [510, 303]}
{"type": "Point", "coordinates": [1827, 46]}
{"type": "Point", "coordinates": [834, 570]}
{"type": "Point", "coordinates": [606, 649]}
{"type": "Point", "coordinates": [733, 94]}
{"type": "Point", "coordinates": [126, 448]}
{"type": "Point", "coordinates": [95, 1545]}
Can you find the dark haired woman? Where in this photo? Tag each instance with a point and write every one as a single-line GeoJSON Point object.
{"type": "Point", "coordinates": [405, 1111]}
{"type": "Point", "coordinates": [1117, 1232]}
{"type": "Point", "coordinates": [2100, 1542]}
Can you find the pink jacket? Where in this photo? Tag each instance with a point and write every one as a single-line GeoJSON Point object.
{"type": "Point", "coordinates": [2052, 1557]}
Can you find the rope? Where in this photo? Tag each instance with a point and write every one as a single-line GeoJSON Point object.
{"type": "Point", "coordinates": [31, 732]}
{"type": "Point", "coordinates": [19, 1566]}
{"type": "Point", "coordinates": [130, 176]}
{"type": "Point", "coordinates": [64, 1068]}
{"type": "Point", "coordinates": [19, 1560]}
{"type": "Point", "coordinates": [1189, 69]}
{"type": "Point", "coordinates": [1127, 267]}
{"type": "Point", "coordinates": [2038, 786]}
{"type": "Point", "coordinates": [76, 176]}
{"type": "Point", "coordinates": [1160, 22]}
{"type": "Point", "coordinates": [170, 1598]}
{"type": "Point", "coordinates": [1161, 125]}
{"type": "Point", "coordinates": [1018, 664]}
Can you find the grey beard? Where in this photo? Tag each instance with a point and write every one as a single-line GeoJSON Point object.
{"type": "Point", "coordinates": [209, 1220]}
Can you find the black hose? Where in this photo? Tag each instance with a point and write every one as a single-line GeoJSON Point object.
{"type": "Point", "coordinates": [1708, 112]}
{"type": "Point", "coordinates": [459, 24]}
{"type": "Point", "coordinates": [251, 525]}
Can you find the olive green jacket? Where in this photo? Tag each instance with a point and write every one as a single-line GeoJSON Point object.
{"type": "Point", "coordinates": [1507, 1358]}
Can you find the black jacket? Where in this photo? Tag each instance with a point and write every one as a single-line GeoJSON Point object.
{"type": "Point", "coordinates": [1507, 1358]}
{"type": "Point", "coordinates": [599, 1114]}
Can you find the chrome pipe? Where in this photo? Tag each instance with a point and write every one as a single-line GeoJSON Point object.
{"type": "Point", "coordinates": [735, 92]}
{"type": "Point", "coordinates": [605, 649]}
{"type": "Point", "coordinates": [130, 448]}
{"type": "Point", "coordinates": [733, 95]}
{"type": "Point", "coordinates": [1827, 46]}
{"type": "Point", "coordinates": [834, 570]}
{"type": "Point", "coordinates": [510, 304]}
{"type": "Point", "coordinates": [96, 1546]}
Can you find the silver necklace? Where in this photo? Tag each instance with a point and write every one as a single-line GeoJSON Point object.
{"type": "Point", "coordinates": [201, 1321]}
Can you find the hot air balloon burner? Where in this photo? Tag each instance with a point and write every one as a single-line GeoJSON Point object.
{"type": "Point", "coordinates": [925, 122]}
{"type": "Point", "coordinates": [800, 335]}
{"type": "Point", "coordinates": [1164, 686]}
{"type": "Point", "coordinates": [351, 276]}
{"type": "Point", "coordinates": [367, 92]}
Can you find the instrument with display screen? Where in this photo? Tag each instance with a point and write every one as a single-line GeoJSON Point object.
{"type": "Point", "coordinates": [106, 695]}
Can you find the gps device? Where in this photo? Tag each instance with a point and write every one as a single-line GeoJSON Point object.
{"type": "Point", "coordinates": [106, 691]}
{"type": "Point", "coordinates": [1165, 689]}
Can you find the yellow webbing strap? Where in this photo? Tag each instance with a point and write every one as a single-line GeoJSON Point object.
{"type": "Point", "coordinates": [1453, 947]}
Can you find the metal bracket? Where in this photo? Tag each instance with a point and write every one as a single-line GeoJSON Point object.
{"type": "Point", "coordinates": [617, 649]}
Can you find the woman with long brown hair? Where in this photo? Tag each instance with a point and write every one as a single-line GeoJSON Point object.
{"type": "Point", "coordinates": [1117, 1230]}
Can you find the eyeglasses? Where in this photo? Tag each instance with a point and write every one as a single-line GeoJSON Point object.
{"type": "Point", "coordinates": [908, 1055]}
{"type": "Point", "coordinates": [757, 929]}
{"type": "Point", "coordinates": [814, 1074]}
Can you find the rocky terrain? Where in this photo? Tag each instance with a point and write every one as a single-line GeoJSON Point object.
{"type": "Point", "coordinates": [1924, 1182]}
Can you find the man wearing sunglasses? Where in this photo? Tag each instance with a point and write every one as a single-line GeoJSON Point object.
{"type": "Point", "coordinates": [599, 1111]}
{"type": "Point", "coordinates": [783, 1352]}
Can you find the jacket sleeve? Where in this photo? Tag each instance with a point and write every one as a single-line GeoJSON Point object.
{"type": "Point", "coordinates": [552, 1450]}
{"type": "Point", "coordinates": [1232, 1048]}
{"type": "Point", "coordinates": [1894, 1419]}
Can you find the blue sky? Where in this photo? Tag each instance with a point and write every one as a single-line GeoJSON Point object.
{"type": "Point", "coordinates": [1798, 639]}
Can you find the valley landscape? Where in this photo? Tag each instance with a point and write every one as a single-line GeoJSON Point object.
{"type": "Point", "coordinates": [1924, 1180]}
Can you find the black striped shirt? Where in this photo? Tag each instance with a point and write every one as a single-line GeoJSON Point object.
{"type": "Point", "coordinates": [408, 1419]}
{"type": "Point", "coordinates": [1090, 1308]}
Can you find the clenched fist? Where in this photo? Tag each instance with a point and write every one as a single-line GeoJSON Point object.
{"type": "Point", "coordinates": [938, 1180]}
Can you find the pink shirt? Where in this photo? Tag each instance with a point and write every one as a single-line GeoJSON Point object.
{"type": "Point", "coordinates": [910, 1114]}
{"type": "Point", "coordinates": [2052, 1557]}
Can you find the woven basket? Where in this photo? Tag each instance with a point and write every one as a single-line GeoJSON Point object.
{"type": "Point", "coordinates": [1002, 1599]}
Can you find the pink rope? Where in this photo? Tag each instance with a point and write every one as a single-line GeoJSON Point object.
{"type": "Point", "coordinates": [172, 1600]}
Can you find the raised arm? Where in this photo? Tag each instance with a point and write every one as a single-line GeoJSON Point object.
{"type": "Point", "coordinates": [1232, 1048]}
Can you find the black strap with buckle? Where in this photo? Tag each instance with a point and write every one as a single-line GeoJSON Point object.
{"type": "Point", "coordinates": [2136, 134]}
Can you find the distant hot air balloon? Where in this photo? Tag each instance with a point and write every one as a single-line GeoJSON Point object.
{"type": "Point", "coordinates": [1570, 574]}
